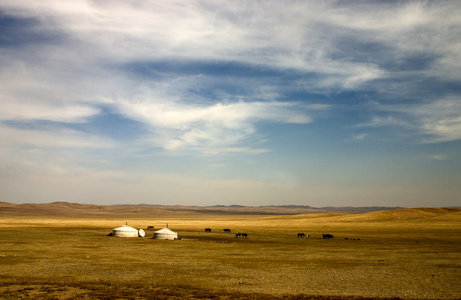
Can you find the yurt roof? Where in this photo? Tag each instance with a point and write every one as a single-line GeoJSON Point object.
{"type": "Point", "coordinates": [125, 228]}
{"type": "Point", "coordinates": [165, 230]}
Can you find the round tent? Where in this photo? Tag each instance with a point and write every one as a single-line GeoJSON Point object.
{"type": "Point", "coordinates": [165, 234]}
{"type": "Point", "coordinates": [125, 231]}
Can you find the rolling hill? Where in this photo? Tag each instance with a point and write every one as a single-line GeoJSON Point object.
{"type": "Point", "coordinates": [345, 214]}
{"type": "Point", "coordinates": [67, 208]}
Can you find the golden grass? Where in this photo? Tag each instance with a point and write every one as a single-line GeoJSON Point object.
{"type": "Point", "coordinates": [409, 254]}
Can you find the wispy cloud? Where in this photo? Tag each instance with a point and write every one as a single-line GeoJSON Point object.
{"type": "Point", "coordinates": [327, 39]}
{"type": "Point", "coordinates": [360, 136]}
{"type": "Point", "coordinates": [438, 157]}
{"type": "Point", "coordinates": [28, 95]}
{"type": "Point", "coordinates": [177, 125]}
{"type": "Point", "coordinates": [217, 150]}
{"type": "Point", "coordinates": [441, 119]}
{"type": "Point", "coordinates": [49, 151]}
{"type": "Point", "coordinates": [52, 138]}
{"type": "Point", "coordinates": [437, 120]}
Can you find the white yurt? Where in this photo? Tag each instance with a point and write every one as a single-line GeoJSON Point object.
{"type": "Point", "coordinates": [125, 231]}
{"type": "Point", "coordinates": [165, 234]}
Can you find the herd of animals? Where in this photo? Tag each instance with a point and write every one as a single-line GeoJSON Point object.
{"type": "Point", "coordinates": [245, 235]}
{"type": "Point", "coordinates": [300, 235]}
{"type": "Point", "coordinates": [237, 235]}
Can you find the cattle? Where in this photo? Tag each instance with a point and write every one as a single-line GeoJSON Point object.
{"type": "Point", "coordinates": [242, 235]}
{"type": "Point", "coordinates": [355, 239]}
{"type": "Point", "coordinates": [327, 236]}
{"type": "Point", "coordinates": [150, 227]}
{"type": "Point", "coordinates": [207, 229]}
{"type": "Point", "coordinates": [303, 235]}
{"type": "Point", "coordinates": [226, 230]}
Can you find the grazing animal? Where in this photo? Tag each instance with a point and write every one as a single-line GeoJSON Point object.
{"type": "Point", "coordinates": [242, 235]}
{"type": "Point", "coordinates": [226, 230]}
{"type": "Point", "coordinates": [207, 229]}
{"type": "Point", "coordinates": [327, 236]}
{"type": "Point", "coordinates": [150, 227]}
{"type": "Point", "coordinates": [303, 235]}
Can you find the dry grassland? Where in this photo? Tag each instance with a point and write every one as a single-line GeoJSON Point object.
{"type": "Point", "coordinates": [401, 254]}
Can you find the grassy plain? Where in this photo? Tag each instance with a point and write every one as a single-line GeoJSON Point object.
{"type": "Point", "coordinates": [401, 254]}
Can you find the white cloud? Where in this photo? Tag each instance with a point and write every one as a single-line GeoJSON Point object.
{"type": "Point", "coordinates": [298, 35]}
{"type": "Point", "coordinates": [359, 136]}
{"type": "Point", "coordinates": [217, 150]}
{"type": "Point", "coordinates": [301, 36]}
{"type": "Point", "coordinates": [65, 80]}
{"type": "Point", "coordinates": [439, 119]}
{"type": "Point", "coordinates": [270, 34]}
{"type": "Point", "coordinates": [218, 125]}
{"type": "Point", "coordinates": [51, 138]}
{"type": "Point", "coordinates": [26, 154]}
{"type": "Point", "coordinates": [438, 157]}
{"type": "Point", "coordinates": [27, 110]}
{"type": "Point", "coordinates": [28, 95]}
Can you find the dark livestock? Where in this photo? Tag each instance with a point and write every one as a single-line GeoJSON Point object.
{"type": "Point", "coordinates": [207, 229]}
{"type": "Point", "coordinates": [327, 236]}
{"type": "Point", "coordinates": [226, 230]}
{"type": "Point", "coordinates": [242, 235]}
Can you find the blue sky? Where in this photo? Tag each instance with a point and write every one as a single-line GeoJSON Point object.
{"type": "Point", "coordinates": [321, 103]}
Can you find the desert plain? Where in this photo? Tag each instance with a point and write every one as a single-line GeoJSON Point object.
{"type": "Point", "coordinates": [63, 251]}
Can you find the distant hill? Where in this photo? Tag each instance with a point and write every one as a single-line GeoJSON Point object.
{"type": "Point", "coordinates": [405, 214]}
{"type": "Point", "coordinates": [276, 213]}
{"type": "Point", "coordinates": [394, 215]}
{"type": "Point", "coordinates": [66, 208]}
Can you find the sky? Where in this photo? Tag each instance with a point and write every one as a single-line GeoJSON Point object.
{"type": "Point", "coordinates": [319, 103]}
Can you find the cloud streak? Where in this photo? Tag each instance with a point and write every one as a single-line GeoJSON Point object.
{"type": "Point", "coordinates": [438, 121]}
{"type": "Point", "coordinates": [28, 96]}
{"type": "Point", "coordinates": [178, 125]}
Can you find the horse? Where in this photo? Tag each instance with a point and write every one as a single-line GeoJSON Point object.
{"type": "Point", "coordinates": [207, 229]}
{"type": "Point", "coordinates": [327, 236]}
{"type": "Point", "coordinates": [303, 235]}
{"type": "Point", "coordinates": [226, 230]}
{"type": "Point", "coordinates": [150, 227]}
